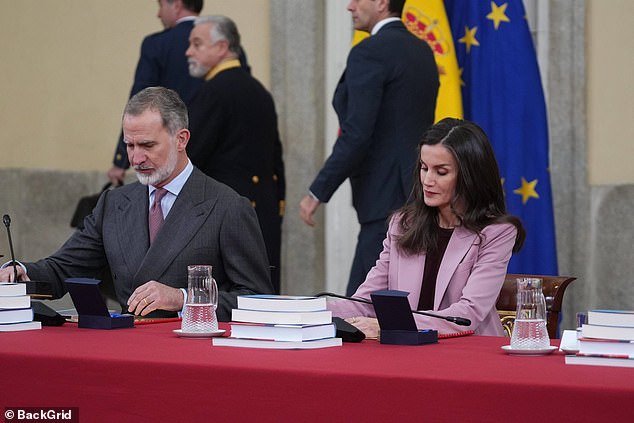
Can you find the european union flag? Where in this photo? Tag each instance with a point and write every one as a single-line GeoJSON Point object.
{"type": "Point", "coordinates": [502, 93]}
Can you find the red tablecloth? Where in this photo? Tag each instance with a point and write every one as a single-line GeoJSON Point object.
{"type": "Point", "coordinates": [147, 374]}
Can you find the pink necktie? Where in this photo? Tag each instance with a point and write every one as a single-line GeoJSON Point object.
{"type": "Point", "coordinates": [155, 220]}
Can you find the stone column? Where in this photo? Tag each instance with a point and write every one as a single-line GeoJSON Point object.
{"type": "Point", "coordinates": [297, 80]}
{"type": "Point", "coordinates": [568, 149]}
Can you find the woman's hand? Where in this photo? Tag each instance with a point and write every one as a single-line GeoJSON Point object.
{"type": "Point", "coordinates": [368, 325]}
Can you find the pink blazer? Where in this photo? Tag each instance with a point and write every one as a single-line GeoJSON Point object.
{"type": "Point", "coordinates": [469, 279]}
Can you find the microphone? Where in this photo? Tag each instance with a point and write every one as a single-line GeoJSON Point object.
{"type": "Point", "coordinates": [41, 312]}
{"type": "Point", "coordinates": [7, 222]}
{"type": "Point", "coordinates": [461, 321]}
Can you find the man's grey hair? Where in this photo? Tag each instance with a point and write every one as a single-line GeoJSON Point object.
{"type": "Point", "coordinates": [163, 100]}
{"type": "Point", "coordinates": [223, 28]}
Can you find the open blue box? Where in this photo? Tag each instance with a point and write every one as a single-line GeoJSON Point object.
{"type": "Point", "coordinates": [396, 320]}
{"type": "Point", "coordinates": [91, 308]}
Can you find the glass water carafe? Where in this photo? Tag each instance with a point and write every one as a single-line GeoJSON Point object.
{"type": "Point", "coordinates": [529, 330]}
{"type": "Point", "coordinates": [199, 314]}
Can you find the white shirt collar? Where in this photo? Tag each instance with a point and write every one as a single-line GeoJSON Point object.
{"type": "Point", "coordinates": [382, 23]}
{"type": "Point", "coordinates": [176, 185]}
{"type": "Point", "coordinates": [185, 18]}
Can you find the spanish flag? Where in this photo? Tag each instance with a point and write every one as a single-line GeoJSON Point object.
{"type": "Point", "coordinates": [427, 20]}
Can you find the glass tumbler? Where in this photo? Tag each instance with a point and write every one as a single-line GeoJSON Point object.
{"type": "Point", "coordinates": [199, 314]}
{"type": "Point", "coordinates": [529, 330]}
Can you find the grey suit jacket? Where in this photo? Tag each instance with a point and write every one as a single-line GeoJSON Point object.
{"type": "Point", "coordinates": [209, 223]}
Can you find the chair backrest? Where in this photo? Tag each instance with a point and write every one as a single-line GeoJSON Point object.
{"type": "Point", "coordinates": [553, 288]}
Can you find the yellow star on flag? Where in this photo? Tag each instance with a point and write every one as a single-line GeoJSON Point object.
{"type": "Point", "coordinates": [527, 190]}
{"type": "Point", "coordinates": [498, 14]}
{"type": "Point", "coordinates": [460, 70]}
{"type": "Point", "coordinates": [469, 38]}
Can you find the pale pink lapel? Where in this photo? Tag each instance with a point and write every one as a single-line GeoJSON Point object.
{"type": "Point", "coordinates": [410, 276]}
{"type": "Point", "coordinates": [458, 246]}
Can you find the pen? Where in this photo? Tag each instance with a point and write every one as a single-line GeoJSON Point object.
{"type": "Point", "coordinates": [157, 320]}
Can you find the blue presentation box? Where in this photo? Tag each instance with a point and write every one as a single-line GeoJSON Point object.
{"type": "Point", "coordinates": [409, 337]}
{"type": "Point", "coordinates": [91, 308]}
{"type": "Point", "coordinates": [396, 320]}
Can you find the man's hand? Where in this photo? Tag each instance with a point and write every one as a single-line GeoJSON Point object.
{"type": "Point", "coordinates": [368, 325]}
{"type": "Point", "coordinates": [307, 208]}
{"type": "Point", "coordinates": [154, 295]}
{"type": "Point", "coordinates": [7, 274]}
{"type": "Point", "coordinates": [116, 176]}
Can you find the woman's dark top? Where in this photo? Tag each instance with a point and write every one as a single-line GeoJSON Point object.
{"type": "Point", "coordinates": [432, 264]}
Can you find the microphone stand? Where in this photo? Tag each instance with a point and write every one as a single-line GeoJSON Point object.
{"type": "Point", "coordinates": [41, 312]}
{"type": "Point", "coordinates": [461, 321]}
{"type": "Point", "coordinates": [7, 222]}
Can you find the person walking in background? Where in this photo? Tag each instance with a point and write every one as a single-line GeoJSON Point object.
{"type": "Point", "coordinates": [233, 123]}
{"type": "Point", "coordinates": [384, 101]}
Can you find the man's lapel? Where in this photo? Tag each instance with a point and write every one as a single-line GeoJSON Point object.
{"type": "Point", "coordinates": [189, 212]}
{"type": "Point", "coordinates": [132, 221]}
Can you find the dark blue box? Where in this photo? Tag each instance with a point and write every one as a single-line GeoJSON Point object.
{"type": "Point", "coordinates": [91, 308]}
{"type": "Point", "coordinates": [396, 320]}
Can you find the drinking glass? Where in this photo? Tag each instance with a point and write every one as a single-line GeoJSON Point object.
{"type": "Point", "coordinates": [529, 330]}
{"type": "Point", "coordinates": [199, 314]}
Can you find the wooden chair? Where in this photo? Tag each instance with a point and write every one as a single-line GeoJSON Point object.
{"type": "Point", "coordinates": [553, 287]}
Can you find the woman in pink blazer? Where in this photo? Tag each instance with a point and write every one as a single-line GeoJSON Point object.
{"type": "Point", "coordinates": [450, 246]}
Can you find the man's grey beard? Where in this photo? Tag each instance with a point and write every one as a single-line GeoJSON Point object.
{"type": "Point", "coordinates": [159, 174]}
{"type": "Point", "coordinates": [197, 70]}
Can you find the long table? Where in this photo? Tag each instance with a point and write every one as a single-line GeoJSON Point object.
{"type": "Point", "coordinates": [147, 374]}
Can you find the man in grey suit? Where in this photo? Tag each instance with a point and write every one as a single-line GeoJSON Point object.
{"type": "Point", "coordinates": [385, 100]}
{"type": "Point", "coordinates": [205, 222]}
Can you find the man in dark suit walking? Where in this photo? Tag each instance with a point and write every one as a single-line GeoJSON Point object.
{"type": "Point", "coordinates": [385, 100]}
{"type": "Point", "coordinates": [201, 222]}
{"type": "Point", "coordinates": [234, 128]}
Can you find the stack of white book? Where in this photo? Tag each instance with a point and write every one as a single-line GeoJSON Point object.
{"type": "Point", "coordinates": [15, 308]}
{"type": "Point", "coordinates": [280, 322]}
{"type": "Point", "coordinates": [606, 340]}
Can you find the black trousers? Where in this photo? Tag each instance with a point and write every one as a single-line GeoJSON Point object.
{"type": "Point", "coordinates": [369, 246]}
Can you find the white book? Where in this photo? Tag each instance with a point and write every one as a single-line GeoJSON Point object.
{"type": "Point", "coordinates": [589, 360]}
{"type": "Point", "coordinates": [14, 327]}
{"type": "Point", "coordinates": [15, 301]}
{"type": "Point", "coordinates": [622, 333]}
{"type": "Point", "coordinates": [11, 289]}
{"type": "Point", "coordinates": [283, 332]}
{"type": "Point", "coordinates": [278, 345]}
{"type": "Point", "coordinates": [606, 346]}
{"type": "Point", "coordinates": [611, 317]}
{"type": "Point", "coordinates": [281, 303]}
{"type": "Point", "coordinates": [282, 317]}
{"type": "Point", "coordinates": [16, 316]}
